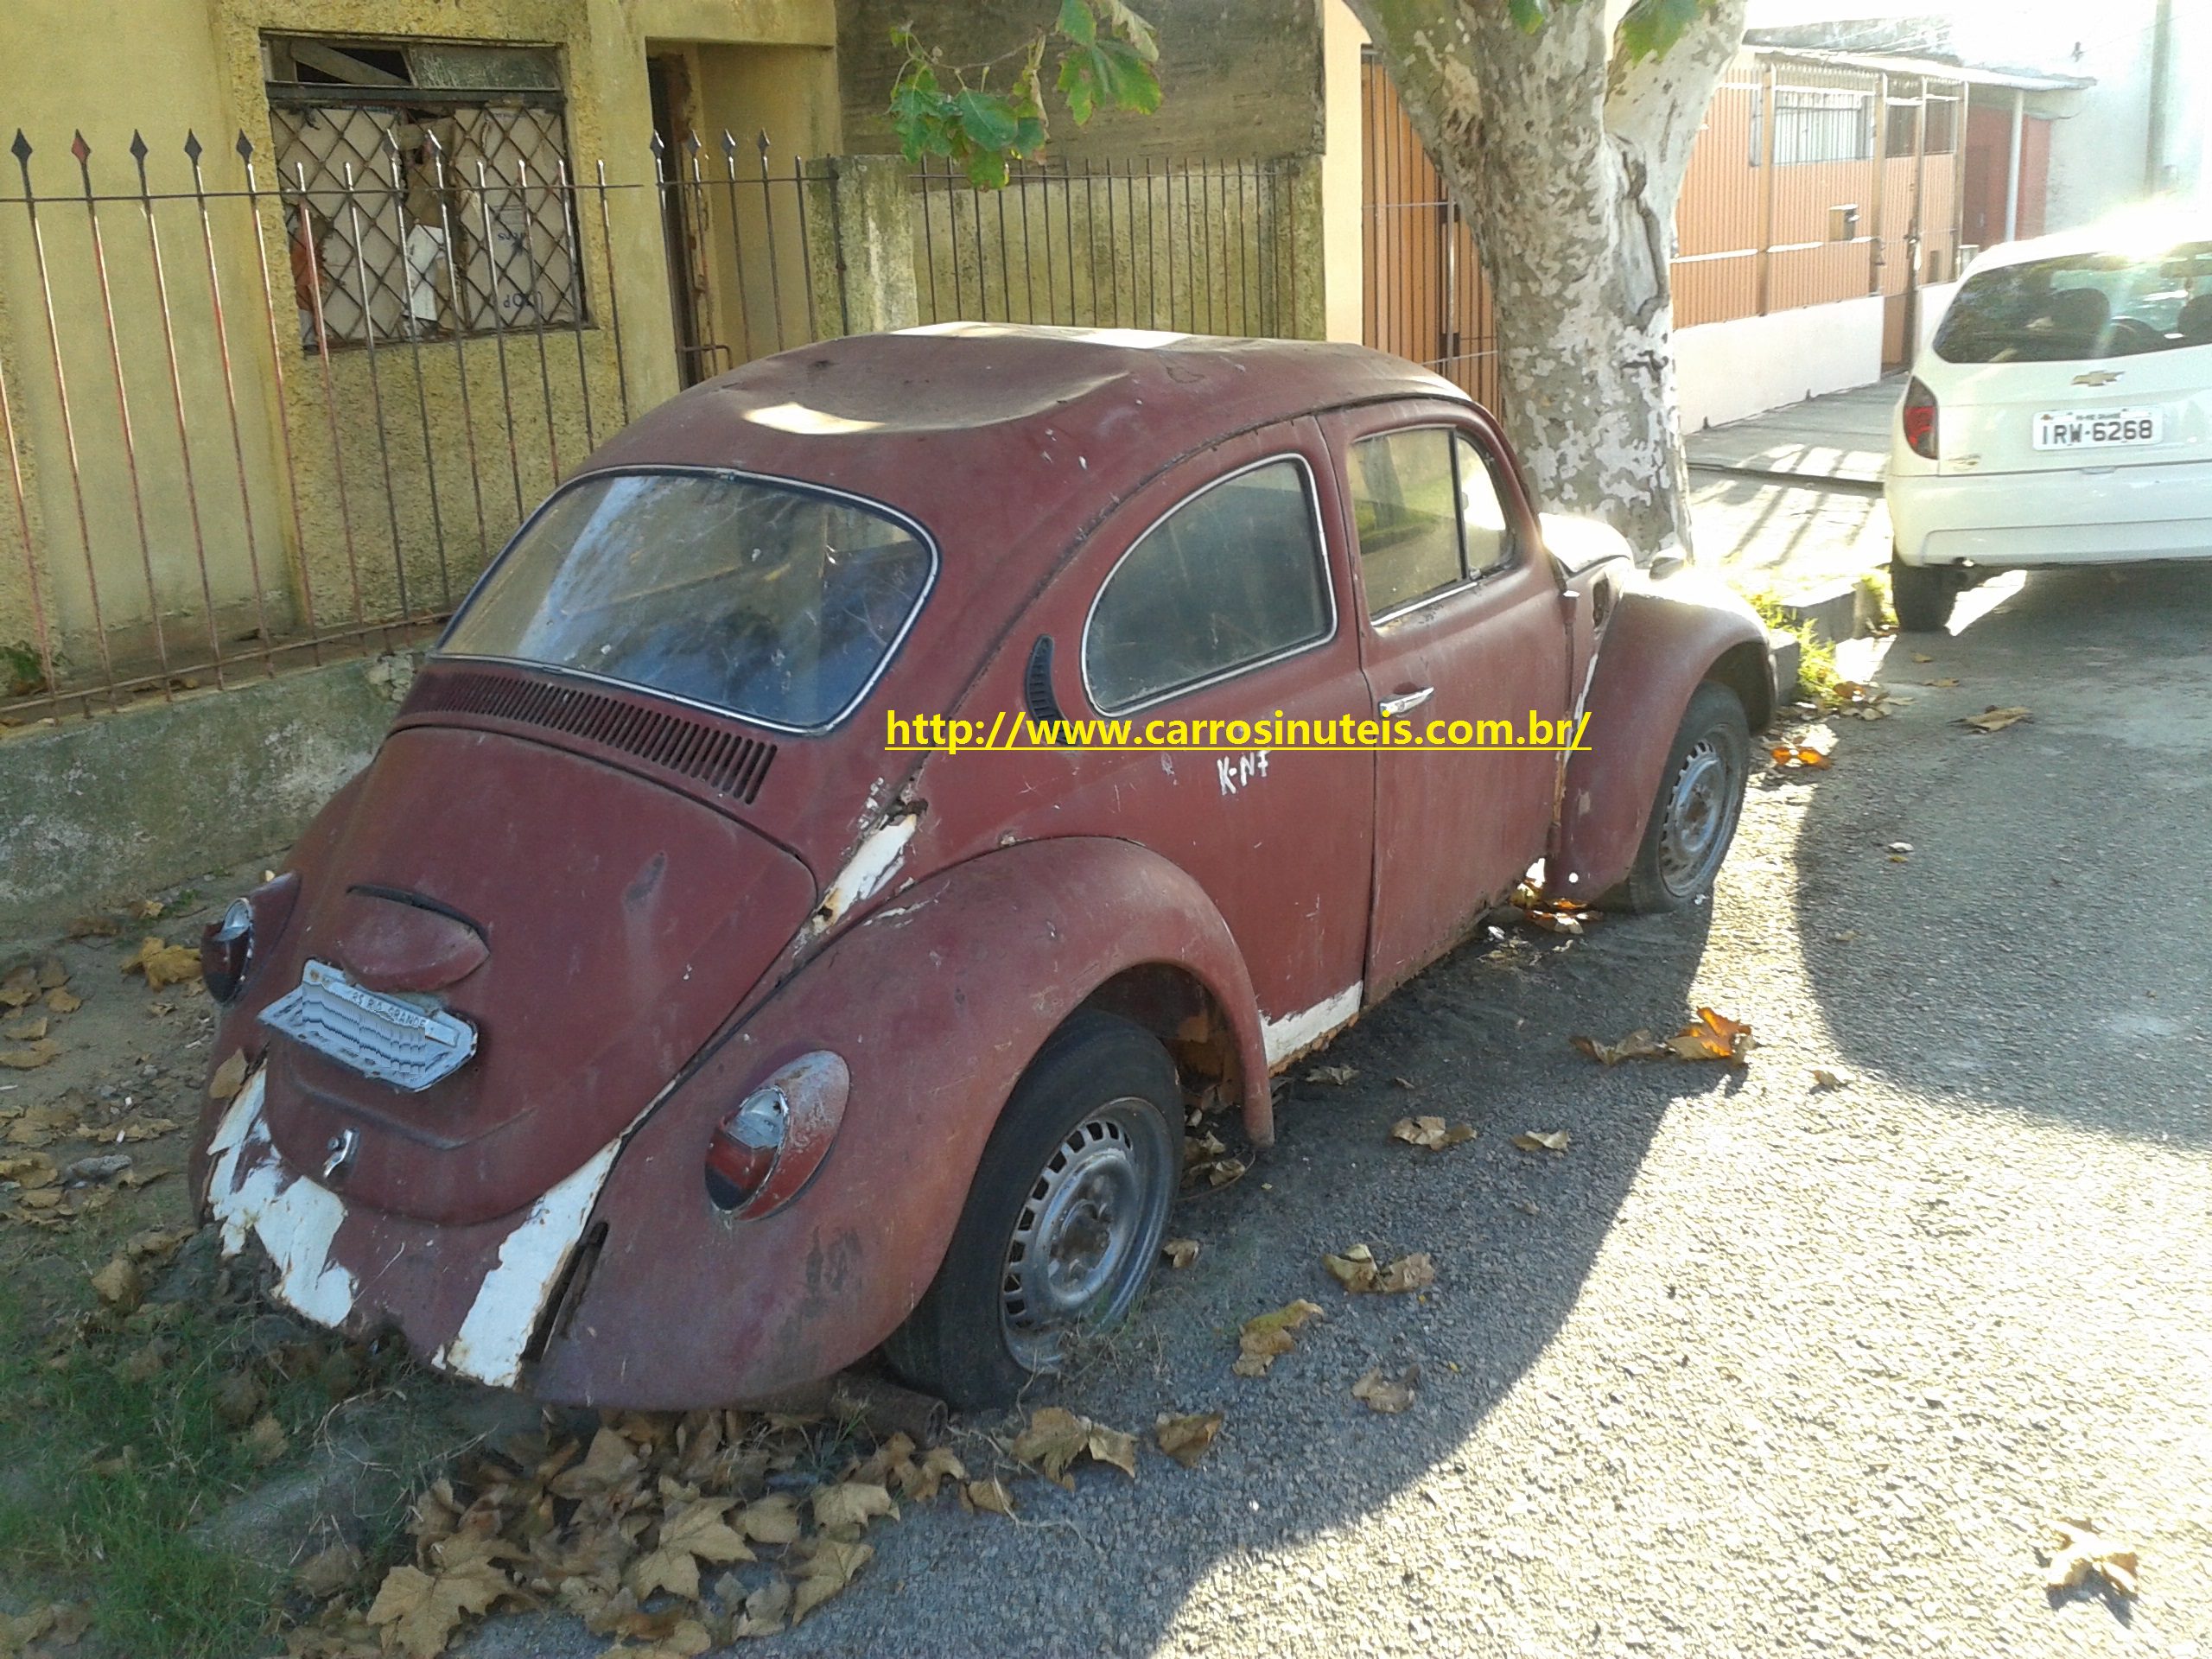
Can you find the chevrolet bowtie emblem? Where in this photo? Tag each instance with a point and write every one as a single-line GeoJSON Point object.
{"type": "Point", "coordinates": [2095, 377]}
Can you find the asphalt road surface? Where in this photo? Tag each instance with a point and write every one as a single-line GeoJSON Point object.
{"type": "Point", "coordinates": [1754, 1367]}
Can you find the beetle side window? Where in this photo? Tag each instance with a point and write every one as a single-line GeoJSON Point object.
{"type": "Point", "coordinates": [1232, 577]}
{"type": "Point", "coordinates": [1429, 516]}
{"type": "Point", "coordinates": [1402, 506]}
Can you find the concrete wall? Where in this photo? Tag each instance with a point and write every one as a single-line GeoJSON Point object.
{"type": "Point", "coordinates": [1725, 370]}
{"type": "Point", "coordinates": [1343, 209]}
{"type": "Point", "coordinates": [162, 792]}
{"type": "Point", "coordinates": [1241, 78]}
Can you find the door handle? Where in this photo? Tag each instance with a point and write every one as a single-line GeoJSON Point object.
{"type": "Point", "coordinates": [1410, 700]}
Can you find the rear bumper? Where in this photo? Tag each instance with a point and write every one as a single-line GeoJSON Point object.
{"type": "Point", "coordinates": [2005, 520]}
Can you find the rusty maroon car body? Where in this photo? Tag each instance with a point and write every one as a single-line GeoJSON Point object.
{"type": "Point", "coordinates": [637, 906]}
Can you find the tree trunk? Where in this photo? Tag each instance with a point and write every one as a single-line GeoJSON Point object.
{"type": "Point", "coordinates": [1567, 160]}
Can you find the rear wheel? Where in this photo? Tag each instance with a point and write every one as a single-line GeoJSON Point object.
{"type": "Point", "coordinates": [1921, 595]}
{"type": "Point", "coordinates": [1064, 1221]}
{"type": "Point", "coordinates": [1694, 816]}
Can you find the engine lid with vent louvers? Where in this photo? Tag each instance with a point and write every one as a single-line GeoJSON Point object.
{"type": "Point", "coordinates": [729, 763]}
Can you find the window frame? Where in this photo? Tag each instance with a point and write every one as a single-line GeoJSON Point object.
{"type": "Point", "coordinates": [796, 486]}
{"type": "Point", "coordinates": [1313, 486]}
{"type": "Point", "coordinates": [1468, 581]}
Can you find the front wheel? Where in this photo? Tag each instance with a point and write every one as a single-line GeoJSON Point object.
{"type": "Point", "coordinates": [1921, 595]}
{"type": "Point", "coordinates": [1064, 1221]}
{"type": "Point", "coordinates": [1694, 816]}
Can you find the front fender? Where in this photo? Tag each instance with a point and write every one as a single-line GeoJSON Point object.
{"type": "Point", "coordinates": [936, 1002]}
{"type": "Point", "coordinates": [1662, 640]}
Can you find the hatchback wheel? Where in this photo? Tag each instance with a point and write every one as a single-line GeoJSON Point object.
{"type": "Point", "coordinates": [1064, 1221]}
{"type": "Point", "coordinates": [1694, 816]}
{"type": "Point", "coordinates": [1921, 595]}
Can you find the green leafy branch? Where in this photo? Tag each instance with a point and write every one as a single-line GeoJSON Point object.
{"type": "Point", "coordinates": [1646, 30]}
{"type": "Point", "coordinates": [1106, 54]}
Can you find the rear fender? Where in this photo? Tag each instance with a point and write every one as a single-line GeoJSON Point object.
{"type": "Point", "coordinates": [936, 1002]}
{"type": "Point", "coordinates": [1662, 642]}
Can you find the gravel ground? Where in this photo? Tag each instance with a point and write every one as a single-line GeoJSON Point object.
{"type": "Point", "coordinates": [1753, 1368]}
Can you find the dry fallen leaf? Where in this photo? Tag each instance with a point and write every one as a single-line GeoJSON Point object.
{"type": "Point", "coordinates": [989, 1495]}
{"type": "Point", "coordinates": [120, 1285]}
{"type": "Point", "coordinates": [1993, 718]}
{"type": "Point", "coordinates": [20, 987]}
{"type": "Point", "coordinates": [24, 1028]}
{"type": "Point", "coordinates": [1186, 1438]}
{"type": "Point", "coordinates": [329, 1572]}
{"type": "Point", "coordinates": [62, 1000]}
{"type": "Point", "coordinates": [1430, 1132]}
{"type": "Point", "coordinates": [146, 909]}
{"type": "Point", "coordinates": [1791, 757]}
{"type": "Point", "coordinates": [1180, 1252]}
{"type": "Point", "coordinates": [832, 1567]}
{"type": "Point", "coordinates": [164, 963]}
{"type": "Point", "coordinates": [1824, 1078]}
{"type": "Point", "coordinates": [765, 1608]}
{"type": "Point", "coordinates": [1414, 1272]}
{"type": "Point", "coordinates": [1056, 1437]}
{"type": "Point", "coordinates": [1222, 1171]}
{"type": "Point", "coordinates": [1712, 1036]}
{"type": "Point", "coordinates": [1384, 1392]}
{"type": "Point", "coordinates": [229, 1077]}
{"type": "Point", "coordinates": [1638, 1045]}
{"type": "Point", "coordinates": [920, 1481]}
{"type": "Point", "coordinates": [1942, 684]}
{"type": "Point", "coordinates": [769, 1520]}
{"type": "Point", "coordinates": [1338, 1075]}
{"type": "Point", "coordinates": [2080, 1551]}
{"type": "Point", "coordinates": [1354, 1269]}
{"type": "Point", "coordinates": [1542, 1140]}
{"type": "Point", "coordinates": [29, 1058]}
{"type": "Point", "coordinates": [851, 1503]}
{"type": "Point", "coordinates": [1922, 657]}
{"type": "Point", "coordinates": [1266, 1337]}
{"type": "Point", "coordinates": [417, 1611]}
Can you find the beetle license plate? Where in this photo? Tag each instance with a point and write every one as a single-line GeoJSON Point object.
{"type": "Point", "coordinates": [378, 1036]}
{"type": "Point", "coordinates": [2106, 429]}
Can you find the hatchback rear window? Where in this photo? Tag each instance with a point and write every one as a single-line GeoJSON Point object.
{"type": "Point", "coordinates": [2081, 307]}
{"type": "Point", "coordinates": [766, 600]}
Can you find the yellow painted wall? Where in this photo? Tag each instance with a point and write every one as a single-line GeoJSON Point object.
{"type": "Point", "coordinates": [427, 490]}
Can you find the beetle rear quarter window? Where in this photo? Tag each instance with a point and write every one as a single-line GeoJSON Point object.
{"type": "Point", "coordinates": [1231, 578]}
{"type": "Point", "coordinates": [774, 602]}
{"type": "Point", "coordinates": [1428, 514]}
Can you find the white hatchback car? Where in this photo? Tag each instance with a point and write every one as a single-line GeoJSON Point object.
{"type": "Point", "coordinates": [2062, 415]}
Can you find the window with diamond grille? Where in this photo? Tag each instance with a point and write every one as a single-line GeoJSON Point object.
{"type": "Point", "coordinates": [424, 188]}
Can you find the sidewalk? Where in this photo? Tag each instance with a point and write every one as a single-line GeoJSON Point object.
{"type": "Point", "coordinates": [1840, 441]}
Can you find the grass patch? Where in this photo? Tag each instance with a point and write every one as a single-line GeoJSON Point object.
{"type": "Point", "coordinates": [1817, 677]}
{"type": "Point", "coordinates": [118, 1434]}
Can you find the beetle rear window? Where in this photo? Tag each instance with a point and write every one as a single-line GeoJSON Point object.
{"type": "Point", "coordinates": [768, 601]}
{"type": "Point", "coordinates": [2077, 307]}
{"type": "Point", "coordinates": [1231, 578]}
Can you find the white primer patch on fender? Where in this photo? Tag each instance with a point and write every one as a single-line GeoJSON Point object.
{"type": "Point", "coordinates": [296, 1220]}
{"type": "Point", "coordinates": [872, 863]}
{"type": "Point", "coordinates": [490, 1343]}
{"type": "Point", "coordinates": [1283, 1038]}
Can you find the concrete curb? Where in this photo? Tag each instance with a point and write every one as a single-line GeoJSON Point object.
{"type": "Point", "coordinates": [120, 804]}
{"type": "Point", "coordinates": [1845, 483]}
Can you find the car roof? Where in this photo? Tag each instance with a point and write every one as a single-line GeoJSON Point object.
{"type": "Point", "coordinates": [902, 417]}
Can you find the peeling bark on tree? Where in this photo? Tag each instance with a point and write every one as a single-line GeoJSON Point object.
{"type": "Point", "coordinates": [1567, 158]}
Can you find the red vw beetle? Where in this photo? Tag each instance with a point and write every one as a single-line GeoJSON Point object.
{"type": "Point", "coordinates": [665, 1017]}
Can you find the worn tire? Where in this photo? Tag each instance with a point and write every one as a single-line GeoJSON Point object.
{"type": "Point", "coordinates": [1921, 595]}
{"type": "Point", "coordinates": [1101, 1089]}
{"type": "Point", "coordinates": [1715, 726]}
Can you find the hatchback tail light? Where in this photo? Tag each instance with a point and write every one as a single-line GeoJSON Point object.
{"type": "Point", "coordinates": [742, 1154]}
{"type": "Point", "coordinates": [1920, 419]}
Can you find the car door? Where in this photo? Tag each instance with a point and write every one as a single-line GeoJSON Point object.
{"type": "Point", "coordinates": [1221, 626]}
{"type": "Point", "coordinates": [1461, 620]}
